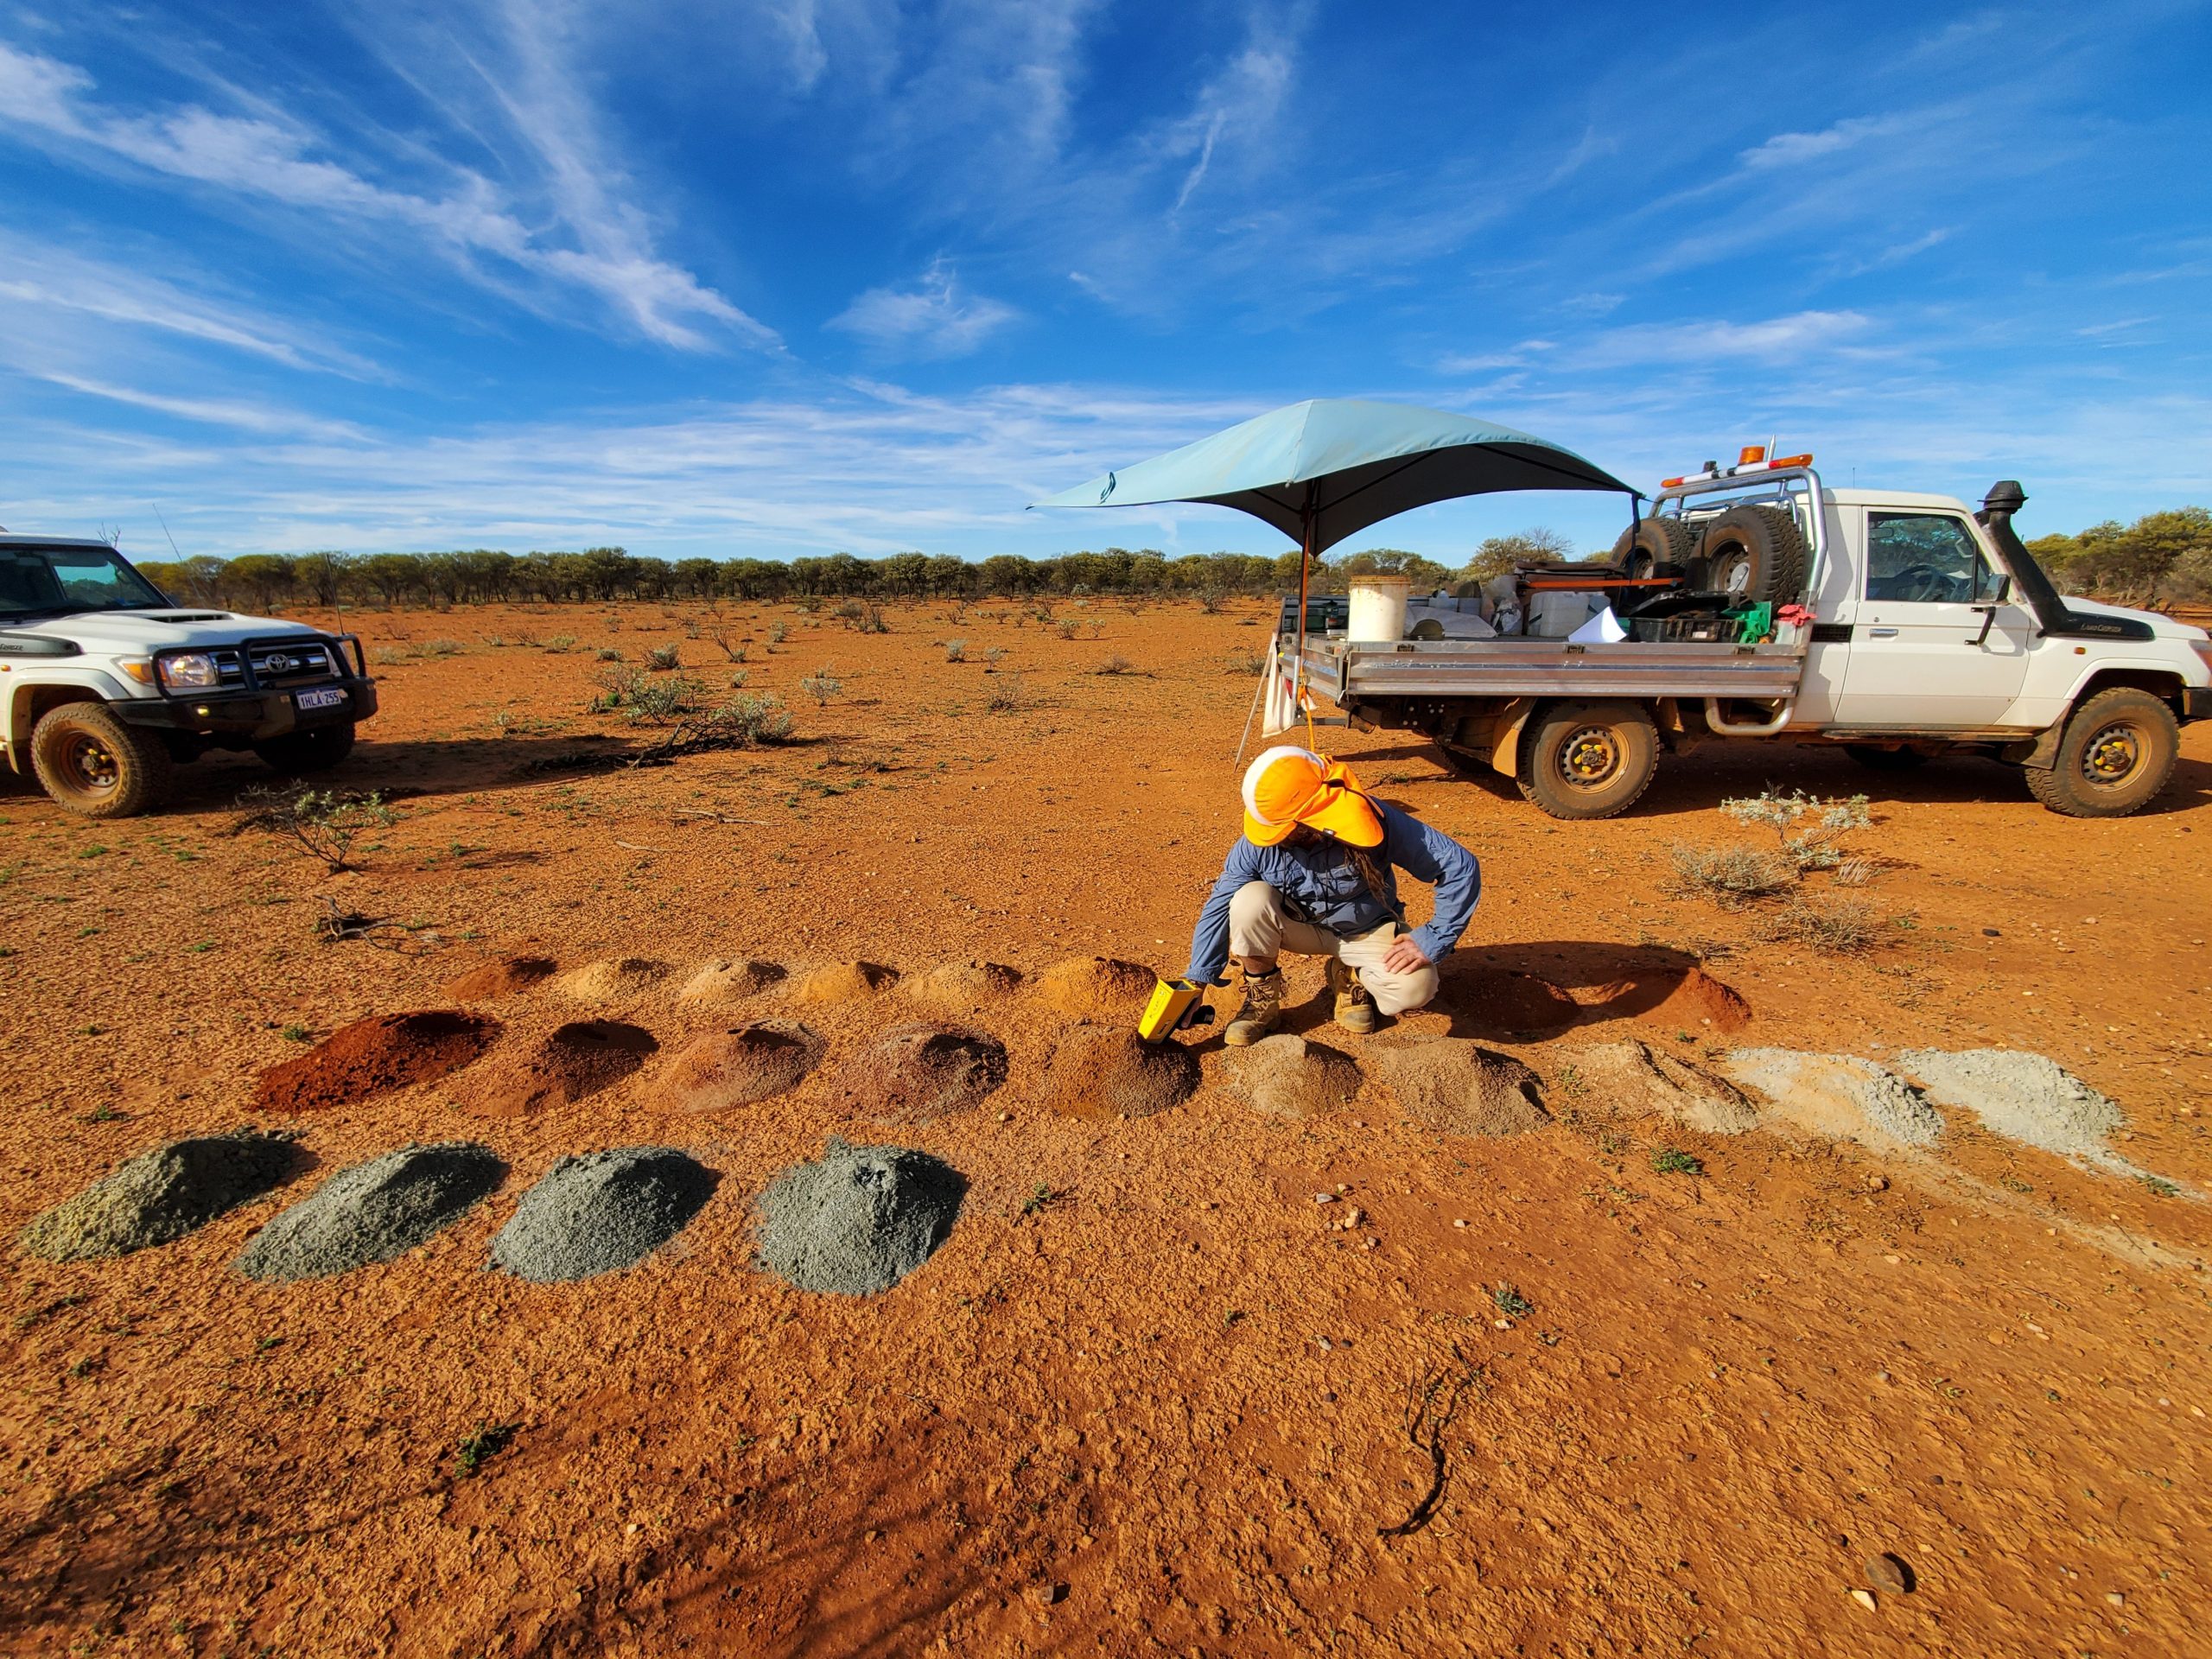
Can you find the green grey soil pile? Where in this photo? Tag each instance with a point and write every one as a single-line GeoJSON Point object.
{"type": "Point", "coordinates": [920, 1072]}
{"type": "Point", "coordinates": [601, 1212]}
{"type": "Point", "coordinates": [162, 1195]}
{"type": "Point", "coordinates": [858, 1219]}
{"type": "Point", "coordinates": [1839, 1097]}
{"type": "Point", "coordinates": [2023, 1097]}
{"type": "Point", "coordinates": [373, 1211]}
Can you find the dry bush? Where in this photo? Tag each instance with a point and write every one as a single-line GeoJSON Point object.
{"type": "Point", "coordinates": [954, 649]}
{"type": "Point", "coordinates": [1005, 695]}
{"type": "Point", "coordinates": [1732, 877]}
{"type": "Point", "coordinates": [822, 686]}
{"type": "Point", "coordinates": [1117, 664]}
{"type": "Point", "coordinates": [1806, 827]}
{"type": "Point", "coordinates": [323, 822]}
{"type": "Point", "coordinates": [661, 658]}
{"type": "Point", "coordinates": [1839, 927]}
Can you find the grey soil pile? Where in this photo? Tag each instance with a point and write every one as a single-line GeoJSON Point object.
{"type": "Point", "coordinates": [161, 1195]}
{"type": "Point", "coordinates": [920, 1072]}
{"type": "Point", "coordinates": [504, 977]}
{"type": "Point", "coordinates": [965, 986]}
{"type": "Point", "coordinates": [858, 1219]}
{"type": "Point", "coordinates": [1839, 1096]}
{"type": "Point", "coordinates": [1101, 1073]}
{"type": "Point", "coordinates": [566, 1065]}
{"type": "Point", "coordinates": [2023, 1097]}
{"type": "Point", "coordinates": [371, 1055]}
{"type": "Point", "coordinates": [723, 1069]}
{"type": "Point", "coordinates": [844, 982]}
{"type": "Point", "coordinates": [601, 1212]}
{"type": "Point", "coordinates": [1096, 988]}
{"type": "Point", "coordinates": [1498, 999]}
{"type": "Point", "coordinates": [1285, 1076]}
{"type": "Point", "coordinates": [1634, 1079]}
{"type": "Point", "coordinates": [1449, 1085]}
{"type": "Point", "coordinates": [616, 980]}
{"type": "Point", "coordinates": [1701, 1001]}
{"type": "Point", "coordinates": [725, 981]}
{"type": "Point", "coordinates": [374, 1211]}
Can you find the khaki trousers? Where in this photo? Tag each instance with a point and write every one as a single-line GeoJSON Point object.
{"type": "Point", "coordinates": [1259, 928]}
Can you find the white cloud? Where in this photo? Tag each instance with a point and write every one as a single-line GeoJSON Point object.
{"type": "Point", "coordinates": [932, 317]}
{"type": "Point", "coordinates": [1776, 340]}
{"type": "Point", "coordinates": [1794, 148]}
{"type": "Point", "coordinates": [211, 411]}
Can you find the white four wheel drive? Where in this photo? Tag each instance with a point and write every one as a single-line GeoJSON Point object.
{"type": "Point", "coordinates": [105, 685]}
{"type": "Point", "coordinates": [1758, 604]}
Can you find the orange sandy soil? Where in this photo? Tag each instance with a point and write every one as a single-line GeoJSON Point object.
{"type": "Point", "coordinates": [1167, 1411]}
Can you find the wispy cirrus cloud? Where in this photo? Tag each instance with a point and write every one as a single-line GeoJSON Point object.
{"type": "Point", "coordinates": [933, 316]}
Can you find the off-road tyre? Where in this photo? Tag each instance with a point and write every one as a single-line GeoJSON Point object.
{"type": "Point", "coordinates": [2115, 756]}
{"type": "Point", "coordinates": [98, 766]}
{"type": "Point", "coordinates": [1651, 547]}
{"type": "Point", "coordinates": [1754, 555]}
{"type": "Point", "coordinates": [297, 753]}
{"type": "Point", "coordinates": [1875, 758]}
{"type": "Point", "coordinates": [1588, 760]}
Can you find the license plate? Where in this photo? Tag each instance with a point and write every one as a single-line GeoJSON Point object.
{"type": "Point", "coordinates": [332, 697]}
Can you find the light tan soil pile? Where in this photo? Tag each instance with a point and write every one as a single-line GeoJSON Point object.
{"type": "Point", "coordinates": [1098, 1072]}
{"type": "Point", "coordinates": [1498, 999]}
{"type": "Point", "coordinates": [1096, 988]}
{"type": "Point", "coordinates": [503, 977]}
{"type": "Point", "coordinates": [843, 982]}
{"type": "Point", "coordinates": [723, 1069]}
{"type": "Point", "coordinates": [724, 980]}
{"type": "Point", "coordinates": [967, 986]}
{"type": "Point", "coordinates": [1637, 1080]}
{"type": "Point", "coordinates": [1452, 1085]}
{"type": "Point", "coordinates": [615, 980]}
{"type": "Point", "coordinates": [371, 1055]}
{"type": "Point", "coordinates": [1700, 1003]}
{"type": "Point", "coordinates": [918, 1073]}
{"type": "Point", "coordinates": [566, 1065]}
{"type": "Point", "coordinates": [161, 1195]}
{"type": "Point", "coordinates": [1285, 1076]}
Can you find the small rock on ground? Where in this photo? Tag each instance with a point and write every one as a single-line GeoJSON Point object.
{"type": "Point", "coordinates": [161, 1195]}
{"type": "Point", "coordinates": [858, 1219]}
{"type": "Point", "coordinates": [374, 1211]}
{"type": "Point", "coordinates": [601, 1212]}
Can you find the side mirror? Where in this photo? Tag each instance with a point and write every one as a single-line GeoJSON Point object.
{"type": "Point", "coordinates": [2003, 590]}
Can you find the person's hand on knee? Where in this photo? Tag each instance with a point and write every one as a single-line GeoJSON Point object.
{"type": "Point", "coordinates": [1404, 956]}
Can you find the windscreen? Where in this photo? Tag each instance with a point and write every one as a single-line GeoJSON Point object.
{"type": "Point", "coordinates": [54, 580]}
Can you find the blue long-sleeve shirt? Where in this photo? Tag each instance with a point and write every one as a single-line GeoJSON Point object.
{"type": "Point", "coordinates": [1320, 884]}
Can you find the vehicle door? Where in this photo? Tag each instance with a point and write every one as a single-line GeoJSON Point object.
{"type": "Point", "coordinates": [1920, 656]}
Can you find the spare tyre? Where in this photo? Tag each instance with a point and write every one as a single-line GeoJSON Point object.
{"type": "Point", "coordinates": [1651, 547]}
{"type": "Point", "coordinates": [1751, 554]}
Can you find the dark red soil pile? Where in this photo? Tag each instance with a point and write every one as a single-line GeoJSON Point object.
{"type": "Point", "coordinates": [569, 1064]}
{"type": "Point", "coordinates": [1701, 1001]}
{"type": "Point", "coordinates": [1096, 988]}
{"type": "Point", "coordinates": [918, 1073]}
{"type": "Point", "coordinates": [506, 976]}
{"type": "Point", "coordinates": [736, 1067]}
{"type": "Point", "coordinates": [1499, 999]}
{"type": "Point", "coordinates": [385, 1052]}
{"type": "Point", "coordinates": [1099, 1072]}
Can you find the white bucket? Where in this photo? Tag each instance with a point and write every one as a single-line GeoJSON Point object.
{"type": "Point", "coordinates": [1378, 608]}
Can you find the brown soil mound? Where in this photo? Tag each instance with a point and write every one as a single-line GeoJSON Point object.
{"type": "Point", "coordinates": [965, 986]}
{"type": "Point", "coordinates": [1285, 1076]}
{"type": "Point", "coordinates": [385, 1052]}
{"type": "Point", "coordinates": [1096, 988]}
{"type": "Point", "coordinates": [1702, 1002]}
{"type": "Point", "coordinates": [1101, 1073]}
{"type": "Point", "coordinates": [919, 1072]}
{"type": "Point", "coordinates": [1636, 1079]}
{"type": "Point", "coordinates": [615, 979]}
{"type": "Point", "coordinates": [1498, 999]}
{"type": "Point", "coordinates": [577, 1059]}
{"type": "Point", "coordinates": [1449, 1084]}
{"type": "Point", "coordinates": [724, 980]}
{"type": "Point", "coordinates": [736, 1067]}
{"type": "Point", "coordinates": [844, 982]}
{"type": "Point", "coordinates": [503, 977]}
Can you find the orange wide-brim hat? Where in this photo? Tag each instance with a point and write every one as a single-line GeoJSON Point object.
{"type": "Point", "coordinates": [1288, 786]}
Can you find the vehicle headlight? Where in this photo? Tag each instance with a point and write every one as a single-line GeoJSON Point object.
{"type": "Point", "coordinates": [188, 670]}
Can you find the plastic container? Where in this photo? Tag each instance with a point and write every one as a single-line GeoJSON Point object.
{"type": "Point", "coordinates": [1378, 608]}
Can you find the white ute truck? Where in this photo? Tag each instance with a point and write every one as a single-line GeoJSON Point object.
{"type": "Point", "coordinates": [1760, 604]}
{"type": "Point", "coordinates": [105, 685]}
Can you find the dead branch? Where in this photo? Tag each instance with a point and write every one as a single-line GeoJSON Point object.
{"type": "Point", "coordinates": [1426, 1426]}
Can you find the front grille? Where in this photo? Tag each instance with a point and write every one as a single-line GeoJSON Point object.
{"type": "Point", "coordinates": [275, 664]}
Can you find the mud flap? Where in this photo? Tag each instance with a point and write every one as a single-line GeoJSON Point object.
{"type": "Point", "coordinates": [2040, 753]}
{"type": "Point", "coordinates": [1499, 732]}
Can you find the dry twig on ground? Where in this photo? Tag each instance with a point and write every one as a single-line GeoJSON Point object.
{"type": "Point", "coordinates": [1427, 1421]}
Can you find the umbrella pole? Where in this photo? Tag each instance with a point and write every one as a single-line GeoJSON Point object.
{"type": "Point", "coordinates": [1305, 572]}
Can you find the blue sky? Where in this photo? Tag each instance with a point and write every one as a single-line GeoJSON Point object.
{"type": "Point", "coordinates": [703, 276]}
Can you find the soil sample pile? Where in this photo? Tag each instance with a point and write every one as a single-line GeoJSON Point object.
{"type": "Point", "coordinates": [161, 1195]}
{"type": "Point", "coordinates": [918, 1073]}
{"type": "Point", "coordinates": [601, 1212]}
{"type": "Point", "coordinates": [726, 981]}
{"type": "Point", "coordinates": [570, 1063]}
{"type": "Point", "coordinates": [1101, 1073]}
{"type": "Point", "coordinates": [2023, 1097]}
{"type": "Point", "coordinates": [1838, 1096]}
{"type": "Point", "coordinates": [1451, 1085]}
{"type": "Point", "coordinates": [1285, 1076]}
{"type": "Point", "coordinates": [374, 1211]}
{"type": "Point", "coordinates": [1499, 999]}
{"type": "Point", "coordinates": [385, 1052]}
{"type": "Point", "coordinates": [1634, 1079]}
{"type": "Point", "coordinates": [724, 1069]}
{"type": "Point", "coordinates": [616, 980]}
{"type": "Point", "coordinates": [858, 1219]}
{"type": "Point", "coordinates": [965, 986]}
{"type": "Point", "coordinates": [503, 977]}
{"type": "Point", "coordinates": [1699, 1000]}
{"type": "Point", "coordinates": [1096, 988]}
{"type": "Point", "coordinates": [843, 982]}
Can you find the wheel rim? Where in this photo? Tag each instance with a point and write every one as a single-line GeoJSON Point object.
{"type": "Point", "coordinates": [1590, 759]}
{"type": "Point", "coordinates": [90, 765]}
{"type": "Point", "coordinates": [1732, 574]}
{"type": "Point", "coordinates": [2113, 758]}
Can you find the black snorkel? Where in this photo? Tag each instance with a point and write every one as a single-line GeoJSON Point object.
{"type": "Point", "coordinates": [2053, 615]}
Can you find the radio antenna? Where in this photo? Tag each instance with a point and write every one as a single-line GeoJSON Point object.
{"type": "Point", "coordinates": [165, 530]}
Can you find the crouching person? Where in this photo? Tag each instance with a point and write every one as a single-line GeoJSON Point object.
{"type": "Point", "coordinates": [1315, 872]}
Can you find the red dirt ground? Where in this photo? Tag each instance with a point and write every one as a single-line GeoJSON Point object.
{"type": "Point", "coordinates": [1150, 1397]}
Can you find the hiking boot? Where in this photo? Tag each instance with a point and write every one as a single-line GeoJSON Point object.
{"type": "Point", "coordinates": [1355, 1008]}
{"type": "Point", "coordinates": [1261, 1007]}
